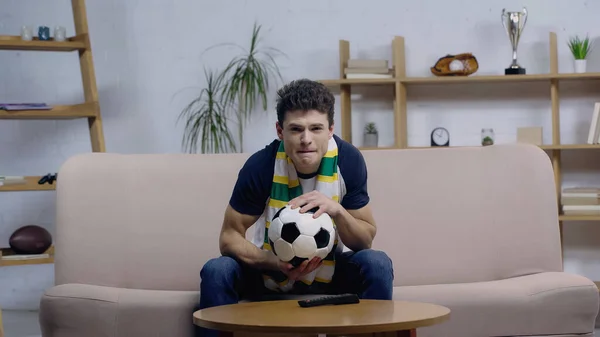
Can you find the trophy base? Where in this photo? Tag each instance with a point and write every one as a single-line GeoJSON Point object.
{"type": "Point", "coordinates": [514, 71]}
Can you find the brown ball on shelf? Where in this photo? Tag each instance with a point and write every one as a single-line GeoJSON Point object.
{"type": "Point", "coordinates": [30, 239]}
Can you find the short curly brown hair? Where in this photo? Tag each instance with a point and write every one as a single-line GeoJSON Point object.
{"type": "Point", "coordinates": [304, 94]}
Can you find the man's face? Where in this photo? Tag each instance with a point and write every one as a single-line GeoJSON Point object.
{"type": "Point", "coordinates": [306, 135]}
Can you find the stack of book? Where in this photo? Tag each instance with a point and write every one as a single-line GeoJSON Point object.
{"type": "Point", "coordinates": [365, 68]}
{"type": "Point", "coordinates": [581, 201]}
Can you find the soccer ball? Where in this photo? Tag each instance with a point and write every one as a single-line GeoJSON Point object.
{"type": "Point", "coordinates": [295, 237]}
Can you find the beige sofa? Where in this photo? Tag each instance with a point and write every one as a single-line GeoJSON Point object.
{"type": "Point", "coordinates": [474, 229]}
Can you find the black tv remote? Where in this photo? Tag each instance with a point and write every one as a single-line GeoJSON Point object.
{"type": "Point", "coordinates": [330, 300]}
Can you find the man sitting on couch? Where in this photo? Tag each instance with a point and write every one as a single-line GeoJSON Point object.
{"type": "Point", "coordinates": [305, 111]}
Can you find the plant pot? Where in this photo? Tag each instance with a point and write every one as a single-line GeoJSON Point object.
{"type": "Point", "coordinates": [370, 140]}
{"type": "Point", "coordinates": [580, 66]}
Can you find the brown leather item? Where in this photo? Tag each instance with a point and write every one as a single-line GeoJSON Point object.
{"type": "Point", "coordinates": [442, 66]}
{"type": "Point", "coordinates": [30, 239]}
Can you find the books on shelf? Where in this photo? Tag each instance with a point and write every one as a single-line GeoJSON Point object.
{"type": "Point", "coordinates": [581, 201]}
{"type": "Point", "coordinates": [594, 132]}
{"type": "Point", "coordinates": [22, 257]}
{"type": "Point", "coordinates": [367, 68]}
{"type": "Point", "coordinates": [12, 180]}
{"type": "Point", "coordinates": [24, 106]}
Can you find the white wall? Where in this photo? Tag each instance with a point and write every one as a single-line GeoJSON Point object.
{"type": "Point", "coordinates": [148, 66]}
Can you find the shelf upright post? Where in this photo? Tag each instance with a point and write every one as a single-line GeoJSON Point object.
{"type": "Point", "coordinates": [555, 104]}
{"type": "Point", "coordinates": [400, 104]}
{"type": "Point", "coordinates": [345, 92]}
{"type": "Point", "coordinates": [88, 74]}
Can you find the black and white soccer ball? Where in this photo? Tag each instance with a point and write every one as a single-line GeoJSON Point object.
{"type": "Point", "coordinates": [295, 237]}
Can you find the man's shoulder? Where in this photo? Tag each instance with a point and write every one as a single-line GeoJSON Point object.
{"type": "Point", "coordinates": [254, 181]}
{"type": "Point", "coordinates": [263, 157]}
{"type": "Point", "coordinates": [353, 170]}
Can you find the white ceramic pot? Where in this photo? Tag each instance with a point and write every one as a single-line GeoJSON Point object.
{"type": "Point", "coordinates": [580, 66]}
{"type": "Point", "coordinates": [370, 140]}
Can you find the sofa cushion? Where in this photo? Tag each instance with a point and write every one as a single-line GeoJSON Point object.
{"type": "Point", "coordinates": [532, 305]}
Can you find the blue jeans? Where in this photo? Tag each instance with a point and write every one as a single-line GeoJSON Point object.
{"type": "Point", "coordinates": [367, 273]}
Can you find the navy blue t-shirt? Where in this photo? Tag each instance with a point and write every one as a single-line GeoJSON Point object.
{"type": "Point", "coordinates": [253, 186]}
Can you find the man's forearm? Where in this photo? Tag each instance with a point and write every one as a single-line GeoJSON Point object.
{"type": "Point", "coordinates": [356, 234]}
{"type": "Point", "coordinates": [234, 245]}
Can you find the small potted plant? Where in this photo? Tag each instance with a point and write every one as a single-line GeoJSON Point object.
{"type": "Point", "coordinates": [371, 137]}
{"type": "Point", "coordinates": [580, 48]}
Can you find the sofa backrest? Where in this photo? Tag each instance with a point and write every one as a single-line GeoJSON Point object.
{"type": "Point", "coordinates": [150, 221]}
{"type": "Point", "coordinates": [469, 214]}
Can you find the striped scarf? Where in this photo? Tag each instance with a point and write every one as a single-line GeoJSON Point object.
{"type": "Point", "coordinates": [286, 187]}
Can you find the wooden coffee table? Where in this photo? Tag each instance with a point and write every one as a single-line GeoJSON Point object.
{"type": "Point", "coordinates": [286, 317]}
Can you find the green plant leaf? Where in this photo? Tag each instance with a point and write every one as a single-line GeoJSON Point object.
{"type": "Point", "coordinates": [239, 88]}
{"type": "Point", "coordinates": [580, 48]}
{"type": "Point", "coordinates": [371, 128]}
{"type": "Point", "coordinates": [247, 80]}
{"type": "Point", "coordinates": [207, 116]}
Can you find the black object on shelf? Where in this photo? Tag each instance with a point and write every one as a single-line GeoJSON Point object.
{"type": "Point", "coordinates": [48, 178]}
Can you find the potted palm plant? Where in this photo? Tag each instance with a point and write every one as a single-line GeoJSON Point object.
{"type": "Point", "coordinates": [371, 136]}
{"type": "Point", "coordinates": [580, 48]}
{"type": "Point", "coordinates": [231, 95]}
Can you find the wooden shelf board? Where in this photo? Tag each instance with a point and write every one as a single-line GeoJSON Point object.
{"type": "Point", "coordinates": [8, 263]}
{"type": "Point", "coordinates": [378, 148]}
{"type": "Point", "coordinates": [501, 78]}
{"type": "Point", "coordinates": [359, 81]}
{"type": "Point", "coordinates": [466, 79]}
{"type": "Point", "coordinates": [439, 147]}
{"type": "Point", "coordinates": [574, 76]}
{"type": "Point", "coordinates": [477, 79]}
{"type": "Point", "coordinates": [544, 147]}
{"type": "Point", "coordinates": [579, 217]}
{"type": "Point", "coordinates": [14, 42]}
{"type": "Point", "coordinates": [571, 147]}
{"type": "Point", "coordinates": [31, 184]}
{"type": "Point", "coordinates": [84, 110]}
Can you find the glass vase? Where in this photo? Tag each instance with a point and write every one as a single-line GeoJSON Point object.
{"type": "Point", "coordinates": [487, 137]}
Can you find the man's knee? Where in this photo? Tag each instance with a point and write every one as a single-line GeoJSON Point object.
{"type": "Point", "coordinates": [220, 269]}
{"type": "Point", "coordinates": [373, 259]}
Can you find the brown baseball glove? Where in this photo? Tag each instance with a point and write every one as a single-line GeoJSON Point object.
{"type": "Point", "coordinates": [467, 66]}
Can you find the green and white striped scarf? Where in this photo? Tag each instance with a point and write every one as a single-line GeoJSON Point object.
{"type": "Point", "coordinates": [286, 187]}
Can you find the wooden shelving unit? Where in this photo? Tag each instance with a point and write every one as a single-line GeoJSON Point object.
{"type": "Point", "coordinates": [7, 252]}
{"type": "Point", "coordinates": [10, 42]}
{"type": "Point", "coordinates": [84, 110]}
{"type": "Point", "coordinates": [31, 184]}
{"type": "Point", "coordinates": [463, 79]}
{"type": "Point", "coordinates": [88, 109]}
{"type": "Point", "coordinates": [400, 82]}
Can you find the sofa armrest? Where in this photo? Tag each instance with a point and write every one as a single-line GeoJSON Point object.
{"type": "Point", "coordinates": [75, 310]}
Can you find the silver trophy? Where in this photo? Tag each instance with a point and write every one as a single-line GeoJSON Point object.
{"type": "Point", "coordinates": [514, 23]}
